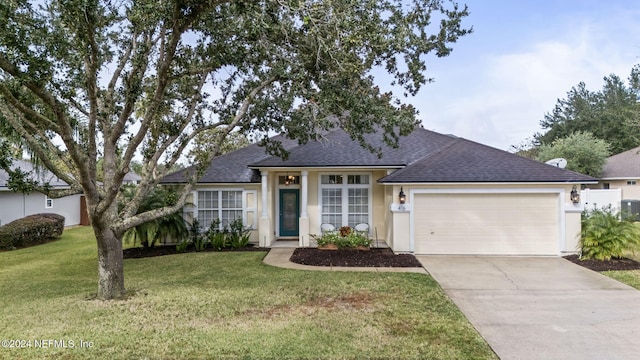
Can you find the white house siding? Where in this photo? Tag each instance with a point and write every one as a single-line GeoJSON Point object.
{"type": "Point", "coordinates": [16, 205]}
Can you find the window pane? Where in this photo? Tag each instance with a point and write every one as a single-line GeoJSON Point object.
{"type": "Point", "coordinates": [331, 201]}
{"type": "Point", "coordinates": [205, 217]}
{"type": "Point", "coordinates": [207, 199]}
{"type": "Point", "coordinates": [358, 179]}
{"type": "Point", "coordinates": [229, 215]}
{"type": "Point", "coordinates": [288, 180]}
{"type": "Point", "coordinates": [345, 199]}
{"type": "Point", "coordinates": [332, 207]}
{"type": "Point", "coordinates": [333, 219]}
{"type": "Point", "coordinates": [358, 206]}
{"type": "Point", "coordinates": [232, 199]}
{"type": "Point", "coordinates": [357, 219]}
{"type": "Point", "coordinates": [331, 179]}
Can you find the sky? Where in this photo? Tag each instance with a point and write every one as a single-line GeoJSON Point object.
{"type": "Point", "coordinates": [524, 55]}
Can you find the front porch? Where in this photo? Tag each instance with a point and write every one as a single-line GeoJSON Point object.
{"type": "Point", "coordinates": [296, 202]}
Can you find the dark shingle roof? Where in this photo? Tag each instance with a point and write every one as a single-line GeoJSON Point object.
{"type": "Point", "coordinates": [131, 176]}
{"type": "Point", "coordinates": [232, 167]}
{"type": "Point", "coordinates": [42, 176]}
{"type": "Point", "coordinates": [336, 148]}
{"type": "Point", "coordinates": [623, 165]}
{"type": "Point", "coordinates": [423, 157]}
{"type": "Point", "coordinates": [468, 161]}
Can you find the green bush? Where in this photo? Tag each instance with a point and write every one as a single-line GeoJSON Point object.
{"type": "Point", "coordinates": [327, 238]}
{"type": "Point", "coordinates": [200, 242]}
{"type": "Point", "coordinates": [238, 236]}
{"type": "Point", "coordinates": [31, 230]}
{"type": "Point", "coordinates": [167, 228]}
{"type": "Point", "coordinates": [344, 238]}
{"type": "Point", "coordinates": [234, 236]}
{"type": "Point", "coordinates": [605, 235]}
{"type": "Point", "coordinates": [217, 238]}
{"type": "Point", "coordinates": [182, 246]}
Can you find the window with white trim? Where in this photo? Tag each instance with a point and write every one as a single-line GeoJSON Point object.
{"type": "Point", "coordinates": [48, 202]}
{"type": "Point", "coordinates": [219, 204]}
{"type": "Point", "coordinates": [345, 199]}
{"type": "Point", "coordinates": [226, 205]}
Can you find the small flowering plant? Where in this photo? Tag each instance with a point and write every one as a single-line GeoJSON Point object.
{"type": "Point", "coordinates": [344, 231]}
{"type": "Point", "coordinates": [344, 238]}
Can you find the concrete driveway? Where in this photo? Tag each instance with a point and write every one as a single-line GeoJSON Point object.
{"type": "Point", "coordinates": [542, 307]}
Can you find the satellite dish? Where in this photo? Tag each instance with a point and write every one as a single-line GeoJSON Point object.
{"type": "Point", "coordinates": [557, 162]}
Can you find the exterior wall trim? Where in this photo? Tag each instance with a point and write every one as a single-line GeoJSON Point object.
{"type": "Point", "coordinates": [476, 184]}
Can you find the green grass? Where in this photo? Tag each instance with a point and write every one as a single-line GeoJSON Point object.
{"type": "Point", "coordinates": [629, 277]}
{"type": "Point", "coordinates": [223, 305]}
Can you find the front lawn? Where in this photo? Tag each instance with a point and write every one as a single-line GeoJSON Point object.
{"type": "Point", "coordinates": [629, 277]}
{"type": "Point", "coordinates": [221, 305]}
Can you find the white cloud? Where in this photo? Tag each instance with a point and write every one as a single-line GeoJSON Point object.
{"type": "Point", "coordinates": [499, 99]}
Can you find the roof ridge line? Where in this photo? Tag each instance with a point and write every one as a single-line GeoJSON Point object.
{"type": "Point", "coordinates": [450, 144]}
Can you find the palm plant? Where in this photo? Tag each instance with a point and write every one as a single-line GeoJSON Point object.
{"type": "Point", "coordinates": [170, 227]}
{"type": "Point", "coordinates": [605, 235]}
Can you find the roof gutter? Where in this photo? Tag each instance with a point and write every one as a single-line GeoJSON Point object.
{"type": "Point", "coordinates": [476, 183]}
{"type": "Point", "coordinates": [326, 167]}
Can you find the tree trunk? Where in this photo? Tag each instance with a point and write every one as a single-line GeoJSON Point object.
{"type": "Point", "coordinates": [110, 264]}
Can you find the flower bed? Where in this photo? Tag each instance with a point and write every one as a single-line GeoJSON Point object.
{"type": "Point", "coordinates": [344, 238]}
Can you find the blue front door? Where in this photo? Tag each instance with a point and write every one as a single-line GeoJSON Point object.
{"type": "Point", "coordinates": [289, 212]}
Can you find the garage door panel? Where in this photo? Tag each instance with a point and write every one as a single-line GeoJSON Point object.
{"type": "Point", "coordinates": [501, 224]}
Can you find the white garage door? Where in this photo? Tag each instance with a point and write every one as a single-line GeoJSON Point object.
{"type": "Point", "coordinates": [490, 224]}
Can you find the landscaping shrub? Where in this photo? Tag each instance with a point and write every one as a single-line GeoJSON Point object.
{"type": "Point", "coordinates": [238, 236]}
{"type": "Point", "coordinates": [31, 230]}
{"type": "Point", "coordinates": [167, 228]}
{"type": "Point", "coordinates": [200, 242]}
{"type": "Point", "coordinates": [605, 235]}
{"type": "Point", "coordinates": [233, 236]}
{"type": "Point", "coordinates": [344, 238]}
{"type": "Point", "coordinates": [215, 236]}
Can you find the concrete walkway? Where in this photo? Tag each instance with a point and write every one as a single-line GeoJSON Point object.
{"type": "Point", "coordinates": [279, 257]}
{"type": "Point", "coordinates": [542, 307]}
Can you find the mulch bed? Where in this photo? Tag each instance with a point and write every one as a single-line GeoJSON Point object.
{"type": "Point", "coordinates": [136, 253]}
{"type": "Point", "coordinates": [601, 265]}
{"type": "Point", "coordinates": [377, 257]}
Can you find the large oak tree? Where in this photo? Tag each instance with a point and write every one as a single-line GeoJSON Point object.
{"type": "Point", "coordinates": [82, 80]}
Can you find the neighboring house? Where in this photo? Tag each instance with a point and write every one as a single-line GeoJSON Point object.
{"type": "Point", "coordinates": [461, 197]}
{"type": "Point", "coordinates": [622, 171]}
{"type": "Point", "coordinates": [15, 205]}
{"type": "Point", "coordinates": [131, 178]}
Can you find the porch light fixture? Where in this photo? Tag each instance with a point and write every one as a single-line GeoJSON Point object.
{"type": "Point", "coordinates": [289, 179]}
{"type": "Point", "coordinates": [402, 197]}
{"type": "Point", "coordinates": [575, 195]}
